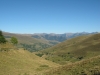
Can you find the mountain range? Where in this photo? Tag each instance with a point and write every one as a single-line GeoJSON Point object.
{"type": "Point", "coordinates": [59, 37]}
{"type": "Point", "coordinates": [40, 41]}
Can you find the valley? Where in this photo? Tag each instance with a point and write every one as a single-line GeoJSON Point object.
{"type": "Point", "coordinates": [79, 55]}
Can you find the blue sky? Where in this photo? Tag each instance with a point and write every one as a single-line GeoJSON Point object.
{"type": "Point", "coordinates": [49, 16]}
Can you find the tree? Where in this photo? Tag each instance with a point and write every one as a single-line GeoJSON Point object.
{"type": "Point", "coordinates": [2, 38]}
{"type": "Point", "coordinates": [14, 40]}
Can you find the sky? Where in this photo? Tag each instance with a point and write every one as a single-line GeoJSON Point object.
{"type": "Point", "coordinates": [49, 16]}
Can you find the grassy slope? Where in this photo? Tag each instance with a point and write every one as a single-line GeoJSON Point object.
{"type": "Point", "coordinates": [85, 67]}
{"type": "Point", "coordinates": [22, 38]}
{"type": "Point", "coordinates": [22, 62]}
{"type": "Point", "coordinates": [74, 49]}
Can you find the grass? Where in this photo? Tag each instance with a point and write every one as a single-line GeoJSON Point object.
{"type": "Point", "coordinates": [85, 67]}
{"type": "Point", "coordinates": [22, 62]}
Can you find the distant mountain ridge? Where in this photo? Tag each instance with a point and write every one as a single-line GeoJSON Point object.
{"type": "Point", "coordinates": [59, 37]}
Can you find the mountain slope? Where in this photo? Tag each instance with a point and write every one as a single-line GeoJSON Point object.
{"type": "Point", "coordinates": [74, 49]}
{"type": "Point", "coordinates": [23, 38]}
{"type": "Point", "coordinates": [30, 43]}
{"type": "Point", "coordinates": [22, 62]}
{"type": "Point", "coordinates": [85, 67]}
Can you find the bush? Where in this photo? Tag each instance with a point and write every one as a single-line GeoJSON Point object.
{"type": "Point", "coordinates": [80, 58]}
{"type": "Point", "coordinates": [14, 40]}
{"type": "Point", "coordinates": [40, 55]}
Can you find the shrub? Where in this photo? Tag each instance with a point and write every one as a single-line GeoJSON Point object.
{"type": "Point", "coordinates": [40, 55]}
{"type": "Point", "coordinates": [14, 40]}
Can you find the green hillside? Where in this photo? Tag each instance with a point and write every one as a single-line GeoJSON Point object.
{"type": "Point", "coordinates": [73, 50]}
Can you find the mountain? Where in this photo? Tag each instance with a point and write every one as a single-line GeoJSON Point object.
{"type": "Point", "coordinates": [36, 42]}
{"type": "Point", "coordinates": [78, 56]}
{"type": "Point", "coordinates": [59, 37]}
{"type": "Point", "coordinates": [75, 49]}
